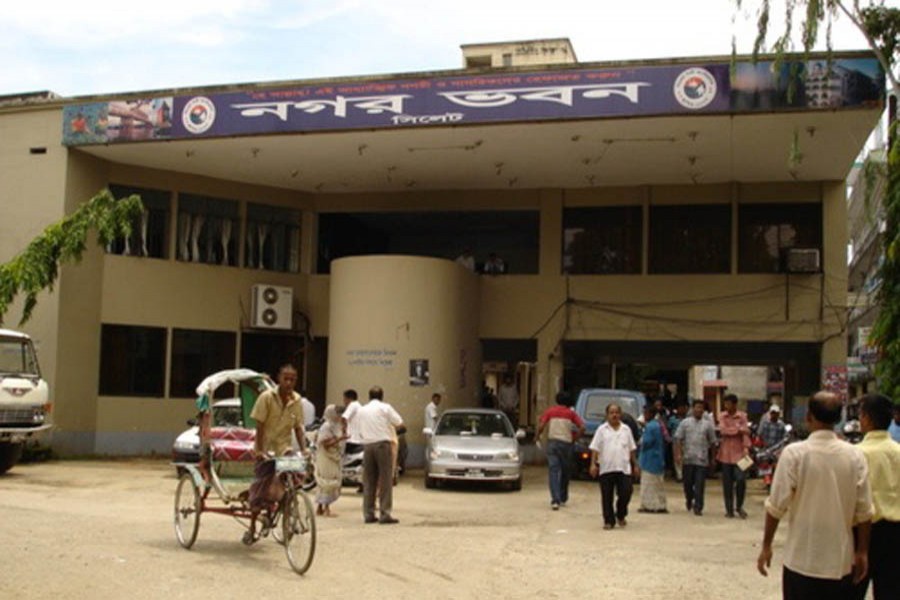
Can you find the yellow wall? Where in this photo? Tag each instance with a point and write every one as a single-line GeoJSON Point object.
{"type": "Point", "coordinates": [388, 310]}
{"type": "Point", "coordinates": [32, 196]}
{"type": "Point", "coordinates": [169, 293]}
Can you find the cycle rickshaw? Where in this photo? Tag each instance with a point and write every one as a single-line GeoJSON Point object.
{"type": "Point", "coordinates": [219, 483]}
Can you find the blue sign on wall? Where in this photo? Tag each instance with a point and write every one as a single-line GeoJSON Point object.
{"type": "Point", "coordinates": [503, 97]}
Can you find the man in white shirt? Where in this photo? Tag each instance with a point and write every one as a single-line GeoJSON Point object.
{"type": "Point", "coordinates": [822, 485]}
{"type": "Point", "coordinates": [351, 426]}
{"type": "Point", "coordinates": [431, 412]}
{"type": "Point", "coordinates": [612, 458]}
{"type": "Point", "coordinates": [378, 424]}
{"type": "Point", "coordinates": [508, 399]}
{"type": "Point", "coordinates": [309, 410]}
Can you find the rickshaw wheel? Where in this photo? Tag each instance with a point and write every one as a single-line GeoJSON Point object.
{"type": "Point", "coordinates": [298, 530]}
{"type": "Point", "coordinates": [187, 510]}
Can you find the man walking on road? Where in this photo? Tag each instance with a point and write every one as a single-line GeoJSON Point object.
{"type": "Point", "coordinates": [612, 458]}
{"type": "Point", "coordinates": [822, 485]}
{"type": "Point", "coordinates": [695, 441]}
{"type": "Point", "coordinates": [734, 446]}
{"type": "Point", "coordinates": [563, 427]}
{"type": "Point", "coordinates": [378, 424]}
{"type": "Point", "coordinates": [883, 459]}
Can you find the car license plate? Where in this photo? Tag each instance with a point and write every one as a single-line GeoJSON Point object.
{"type": "Point", "coordinates": [474, 473]}
{"type": "Point", "coordinates": [765, 471]}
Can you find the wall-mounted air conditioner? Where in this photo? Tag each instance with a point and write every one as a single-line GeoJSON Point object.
{"type": "Point", "coordinates": [802, 260]}
{"type": "Point", "coordinates": [272, 306]}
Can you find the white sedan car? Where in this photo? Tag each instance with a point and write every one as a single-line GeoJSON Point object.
{"type": "Point", "coordinates": [473, 444]}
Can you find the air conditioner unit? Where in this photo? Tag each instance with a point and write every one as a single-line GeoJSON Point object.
{"type": "Point", "coordinates": [802, 260]}
{"type": "Point", "coordinates": [272, 306]}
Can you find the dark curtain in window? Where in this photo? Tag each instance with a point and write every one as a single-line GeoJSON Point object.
{"type": "Point", "coordinates": [196, 354]}
{"type": "Point", "coordinates": [690, 239]}
{"type": "Point", "coordinates": [766, 230]}
{"type": "Point", "coordinates": [600, 241]}
{"type": "Point", "coordinates": [132, 360]}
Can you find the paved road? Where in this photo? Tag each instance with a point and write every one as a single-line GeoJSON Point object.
{"type": "Point", "coordinates": [86, 529]}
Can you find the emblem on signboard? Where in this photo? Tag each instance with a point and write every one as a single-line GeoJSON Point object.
{"type": "Point", "coordinates": [198, 115]}
{"type": "Point", "coordinates": [695, 88]}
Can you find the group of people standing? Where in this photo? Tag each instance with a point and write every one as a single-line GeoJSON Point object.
{"type": "Point", "coordinates": [842, 501]}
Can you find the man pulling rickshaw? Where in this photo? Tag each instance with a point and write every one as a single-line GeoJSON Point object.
{"type": "Point", "coordinates": [277, 413]}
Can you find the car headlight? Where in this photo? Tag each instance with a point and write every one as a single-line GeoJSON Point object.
{"type": "Point", "coordinates": [438, 453]}
{"type": "Point", "coordinates": [507, 456]}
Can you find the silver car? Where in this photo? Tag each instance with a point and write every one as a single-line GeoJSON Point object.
{"type": "Point", "coordinates": [473, 444]}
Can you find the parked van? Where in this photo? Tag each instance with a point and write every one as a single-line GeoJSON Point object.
{"type": "Point", "coordinates": [25, 409]}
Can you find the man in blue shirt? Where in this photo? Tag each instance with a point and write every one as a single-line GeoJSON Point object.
{"type": "Point", "coordinates": [894, 428]}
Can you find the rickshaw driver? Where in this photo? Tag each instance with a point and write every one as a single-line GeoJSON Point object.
{"type": "Point", "coordinates": [277, 413]}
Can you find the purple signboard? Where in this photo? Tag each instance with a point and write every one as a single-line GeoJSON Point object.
{"type": "Point", "coordinates": [504, 97]}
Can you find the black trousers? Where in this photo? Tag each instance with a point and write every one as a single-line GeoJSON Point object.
{"type": "Point", "coordinates": [619, 484]}
{"type": "Point", "coordinates": [884, 562]}
{"type": "Point", "coordinates": [694, 482]}
{"type": "Point", "coordinates": [795, 586]}
{"type": "Point", "coordinates": [734, 483]}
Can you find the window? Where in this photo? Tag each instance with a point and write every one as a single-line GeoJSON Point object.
{"type": "Point", "coordinates": [764, 230]}
{"type": "Point", "coordinates": [149, 232]}
{"type": "Point", "coordinates": [507, 60]}
{"type": "Point", "coordinates": [132, 360]}
{"type": "Point", "coordinates": [690, 239]}
{"type": "Point", "coordinates": [266, 352]}
{"type": "Point", "coordinates": [207, 230]}
{"type": "Point", "coordinates": [512, 235]}
{"type": "Point", "coordinates": [273, 238]}
{"type": "Point", "coordinates": [602, 240]}
{"type": "Point", "coordinates": [196, 354]}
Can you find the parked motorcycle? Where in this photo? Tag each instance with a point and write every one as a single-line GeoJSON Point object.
{"type": "Point", "coordinates": [352, 464]}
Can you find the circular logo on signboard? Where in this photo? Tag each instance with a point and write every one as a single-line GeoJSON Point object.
{"type": "Point", "coordinates": [198, 115]}
{"type": "Point", "coordinates": [695, 88]}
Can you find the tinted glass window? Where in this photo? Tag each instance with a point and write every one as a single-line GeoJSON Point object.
{"type": "Point", "coordinates": [765, 230]}
{"type": "Point", "coordinates": [149, 232]}
{"type": "Point", "coordinates": [597, 403]}
{"type": "Point", "coordinates": [474, 425]}
{"type": "Point", "coordinates": [511, 235]}
{"type": "Point", "coordinates": [132, 360]}
{"type": "Point", "coordinates": [690, 239]}
{"type": "Point", "coordinates": [602, 240]}
{"type": "Point", "coordinates": [196, 354]}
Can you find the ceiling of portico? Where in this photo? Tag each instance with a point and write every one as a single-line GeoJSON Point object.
{"type": "Point", "coordinates": [559, 154]}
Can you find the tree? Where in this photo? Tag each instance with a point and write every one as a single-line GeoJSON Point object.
{"type": "Point", "coordinates": [880, 26]}
{"type": "Point", "coordinates": [37, 267]}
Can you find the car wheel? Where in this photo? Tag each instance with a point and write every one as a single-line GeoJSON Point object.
{"type": "Point", "coordinates": [516, 485]}
{"type": "Point", "coordinates": [430, 482]}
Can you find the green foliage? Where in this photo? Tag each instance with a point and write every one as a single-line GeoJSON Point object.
{"type": "Point", "coordinates": [886, 330]}
{"type": "Point", "coordinates": [37, 267]}
{"type": "Point", "coordinates": [880, 26]}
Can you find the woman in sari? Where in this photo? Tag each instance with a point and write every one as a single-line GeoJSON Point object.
{"type": "Point", "coordinates": [328, 461]}
{"type": "Point", "coordinates": [653, 464]}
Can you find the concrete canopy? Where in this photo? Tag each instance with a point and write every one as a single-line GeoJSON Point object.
{"type": "Point", "coordinates": [560, 154]}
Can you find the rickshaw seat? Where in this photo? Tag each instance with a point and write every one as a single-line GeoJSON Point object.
{"type": "Point", "coordinates": [232, 444]}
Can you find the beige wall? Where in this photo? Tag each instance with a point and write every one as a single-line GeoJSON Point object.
{"type": "Point", "coordinates": [169, 293]}
{"type": "Point", "coordinates": [32, 195]}
{"type": "Point", "coordinates": [389, 310]}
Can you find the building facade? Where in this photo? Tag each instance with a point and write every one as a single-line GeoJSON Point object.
{"type": "Point", "coordinates": [644, 213]}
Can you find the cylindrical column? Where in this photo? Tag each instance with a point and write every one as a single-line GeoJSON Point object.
{"type": "Point", "coordinates": [410, 325]}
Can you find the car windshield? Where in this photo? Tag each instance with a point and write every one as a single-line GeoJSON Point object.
{"type": "Point", "coordinates": [227, 416]}
{"type": "Point", "coordinates": [17, 357]}
{"type": "Point", "coordinates": [597, 403]}
{"type": "Point", "coordinates": [474, 424]}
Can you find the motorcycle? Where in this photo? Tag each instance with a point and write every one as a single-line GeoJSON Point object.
{"type": "Point", "coordinates": [352, 464]}
{"type": "Point", "coordinates": [767, 458]}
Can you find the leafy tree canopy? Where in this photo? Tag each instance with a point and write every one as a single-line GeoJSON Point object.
{"type": "Point", "coordinates": [37, 267]}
